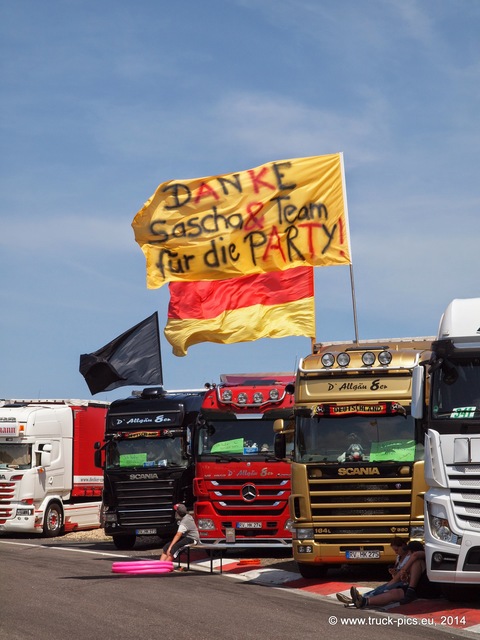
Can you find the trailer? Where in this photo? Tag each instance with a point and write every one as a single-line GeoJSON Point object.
{"type": "Point", "coordinates": [48, 480]}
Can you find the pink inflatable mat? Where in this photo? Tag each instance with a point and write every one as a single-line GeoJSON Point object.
{"type": "Point", "coordinates": [142, 567]}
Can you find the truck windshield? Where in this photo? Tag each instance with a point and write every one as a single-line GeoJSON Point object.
{"type": "Point", "coordinates": [456, 391]}
{"type": "Point", "coordinates": [359, 438]}
{"type": "Point", "coordinates": [15, 456]}
{"type": "Point", "coordinates": [237, 439]}
{"type": "Point", "coordinates": [146, 452]}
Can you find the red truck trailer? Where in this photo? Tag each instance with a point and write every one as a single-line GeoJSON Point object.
{"type": "Point", "coordinates": [48, 480]}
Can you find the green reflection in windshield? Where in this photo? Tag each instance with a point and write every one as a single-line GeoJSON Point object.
{"type": "Point", "coordinates": [133, 459]}
{"type": "Point", "coordinates": [230, 446]}
{"type": "Point", "coordinates": [398, 450]}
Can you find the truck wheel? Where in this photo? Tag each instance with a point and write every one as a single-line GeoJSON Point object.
{"type": "Point", "coordinates": [124, 541]}
{"type": "Point", "coordinates": [460, 592]}
{"type": "Point", "coordinates": [312, 570]}
{"type": "Point", "coordinates": [53, 521]}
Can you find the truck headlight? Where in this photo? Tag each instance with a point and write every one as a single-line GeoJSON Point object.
{"type": "Point", "coordinates": [303, 534]}
{"type": "Point", "coordinates": [110, 517]}
{"type": "Point", "coordinates": [289, 525]}
{"type": "Point", "coordinates": [417, 532]}
{"type": "Point", "coordinates": [440, 529]}
{"type": "Point", "coordinates": [205, 524]}
{"type": "Point", "coordinates": [24, 512]}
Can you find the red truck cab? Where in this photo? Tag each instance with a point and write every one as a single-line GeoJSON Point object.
{"type": "Point", "coordinates": [241, 489]}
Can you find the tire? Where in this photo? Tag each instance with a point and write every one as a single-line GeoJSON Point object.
{"type": "Point", "coordinates": [312, 570]}
{"type": "Point", "coordinates": [125, 541]}
{"type": "Point", "coordinates": [53, 521]}
{"type": "Point", "coordinates": [460, 592]}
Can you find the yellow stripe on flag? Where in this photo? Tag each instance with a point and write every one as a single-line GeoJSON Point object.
{"type": "Point", "coordinates": [244, 325]}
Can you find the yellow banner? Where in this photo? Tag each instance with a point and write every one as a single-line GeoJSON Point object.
{"type": "Point", "coordinates": [277, 216]}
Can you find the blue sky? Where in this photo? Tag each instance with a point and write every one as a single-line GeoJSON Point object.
{"type": "Point", "coordinates": [102, 101]}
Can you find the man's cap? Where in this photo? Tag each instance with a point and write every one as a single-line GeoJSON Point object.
{"type": "Point", "coordinates": [181, 509]}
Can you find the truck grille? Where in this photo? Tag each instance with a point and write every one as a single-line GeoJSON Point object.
{"type": "Point", "coordinates": [7, 495]}
{"type": "Point", "coordinates": [5, 514]}
{"type": "Point", "coordinates": [145, 503]}
{"type": "Point", "coordinates": [374, 510]}
{"type": "Point", "coordinates": [464, 484]}
{"type": "Point", "coordinates": [7, 492]}
{"type": "Point", "coordinates": [244, 497]}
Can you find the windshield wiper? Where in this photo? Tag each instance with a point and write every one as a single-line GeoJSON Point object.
{"type": "Point", "coordinates": [272, 459]}
{"type": "Point", "coordinates": [314, 458]}
{"type": "Point", "coordinates": [222, 457]}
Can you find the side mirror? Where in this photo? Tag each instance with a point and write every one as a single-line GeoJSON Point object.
{"type": "Point", "coordinates": [278, 425]}
{"type": "Point", "coordinates": [46, 456]}
{"type": "Point", "coordinates": [418, 391]}
{"type": "Point", "coordinates": [280, 445]}
{"type": "Point", "coordinates": [97, 458]}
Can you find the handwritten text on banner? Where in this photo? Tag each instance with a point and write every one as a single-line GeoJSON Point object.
{"type": "Point", "coordinates": [277, 216]}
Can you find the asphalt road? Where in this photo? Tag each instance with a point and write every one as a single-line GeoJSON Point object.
{"type": "Point", "coordinates": [65, 590]}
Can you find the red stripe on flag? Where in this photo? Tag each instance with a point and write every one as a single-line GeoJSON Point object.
{"type": "Point", "coordinates": [208, 299]}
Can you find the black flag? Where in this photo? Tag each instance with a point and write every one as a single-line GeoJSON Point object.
{"type": "Point", "coordinates": [131, 359]}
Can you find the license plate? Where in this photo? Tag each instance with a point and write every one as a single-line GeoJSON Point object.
{"type": "Point", "coordinates": [249, 525]}
{"type": "Point", "coordinates": [146, 532]}
{"type": "Point", "coordinates": [362, 555]}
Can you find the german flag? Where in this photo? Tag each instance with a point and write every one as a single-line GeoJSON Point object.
{"type": "Point", "coordinates": [268, 305]}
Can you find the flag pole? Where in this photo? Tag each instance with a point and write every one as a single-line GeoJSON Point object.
{"type": "Point", "coordinates": [313, 339]}
{"type": "Point", "coordinates": [354, 305]}
{"type": "Point", "coordinates": [352, 284]}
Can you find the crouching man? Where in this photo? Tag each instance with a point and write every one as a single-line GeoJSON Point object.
{"type": "Point", "coordinates": [187, 533]}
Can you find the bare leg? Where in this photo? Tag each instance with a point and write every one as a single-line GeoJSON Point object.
{"type": "Point", "coordinates": [416, 570]}
{"type": "Point", "coordinates": [394, 595]}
